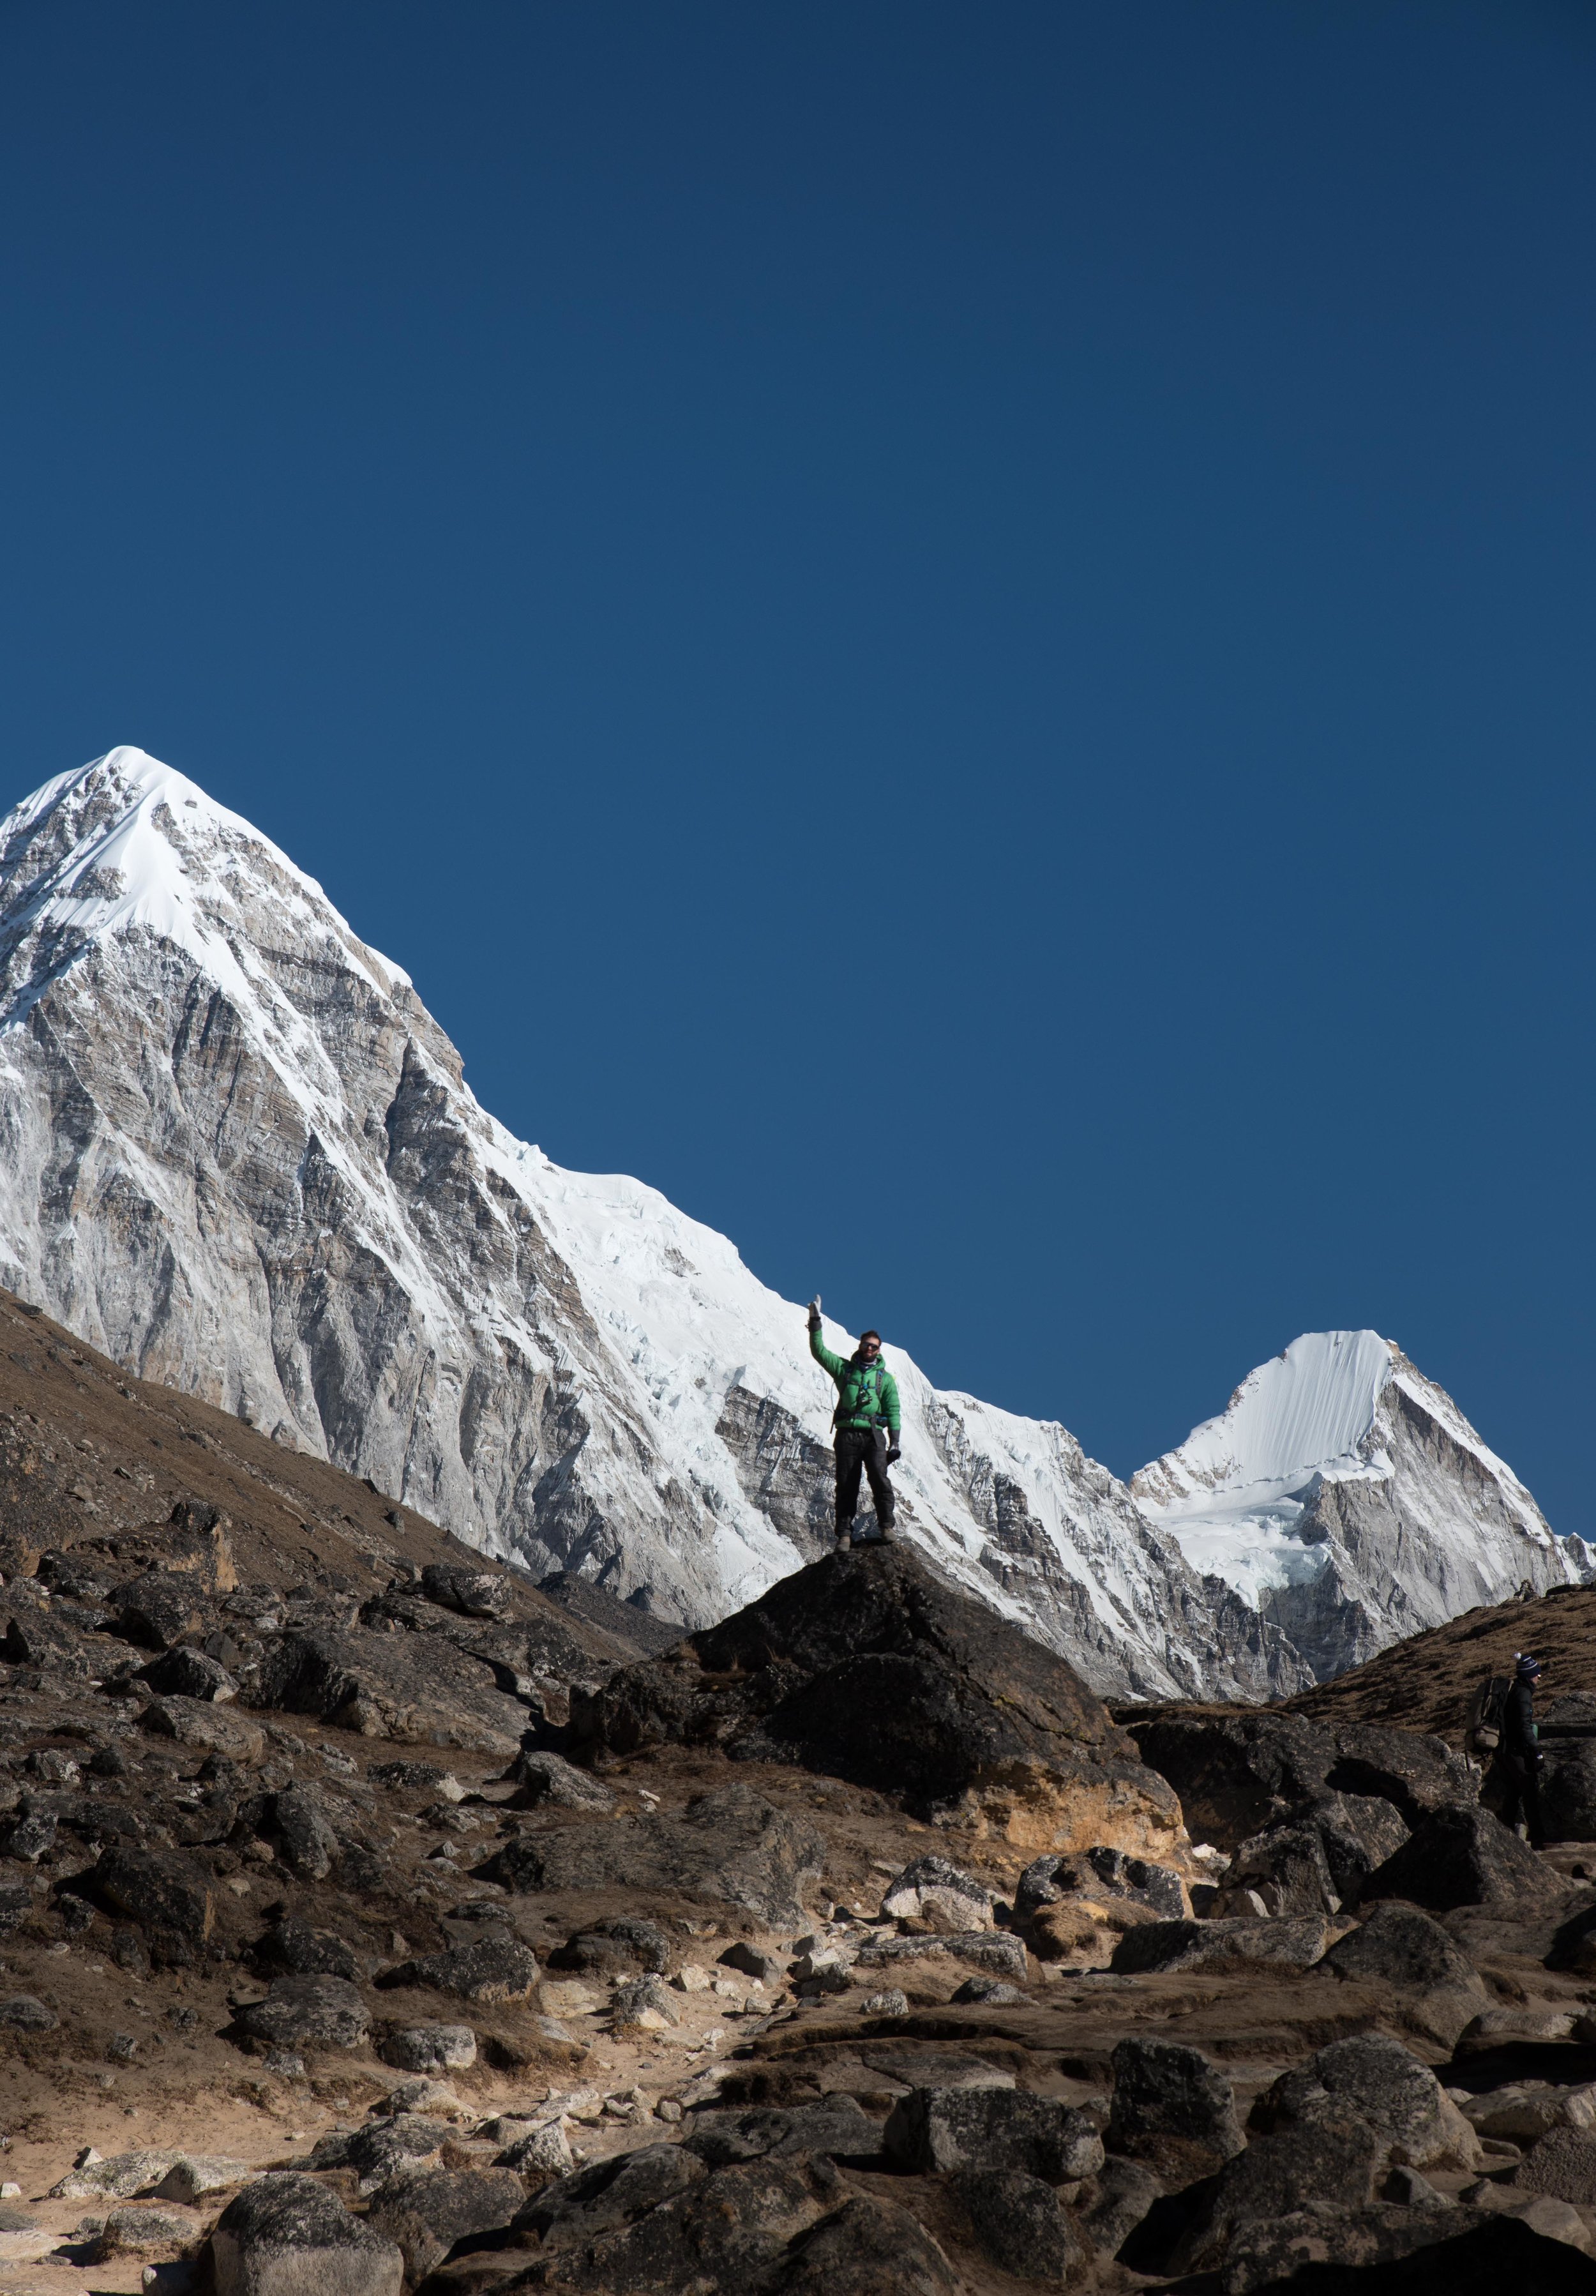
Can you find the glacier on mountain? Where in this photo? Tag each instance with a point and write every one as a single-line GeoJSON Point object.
{"type": "Point", "coordinates": [238, 1154]}
{"type": "Point", "coordinates": [1344, 1496]}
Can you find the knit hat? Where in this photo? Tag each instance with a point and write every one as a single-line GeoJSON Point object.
{"type": "Point", "coordinates": [1525, 1668]}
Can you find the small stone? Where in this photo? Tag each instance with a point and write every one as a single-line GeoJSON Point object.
{"type": "Point", "coordinates": [891, 2002]}
{"type": "Point", "coordinates": [543, 2150]}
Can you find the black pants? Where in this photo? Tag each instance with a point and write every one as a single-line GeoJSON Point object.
{"type": "Point", "coordinates": [862, 1448]}
{"type": "Point", "coordinates": [1523, 1778]}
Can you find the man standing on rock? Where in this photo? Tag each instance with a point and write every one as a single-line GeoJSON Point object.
{"type": "Point", "coordinates": [1521, 1752]}
{"type": "Point", "coordinates": [868, 1422]}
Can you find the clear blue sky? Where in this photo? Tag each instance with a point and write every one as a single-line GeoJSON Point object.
{"type": "Point", "coordinates": [962, 635]}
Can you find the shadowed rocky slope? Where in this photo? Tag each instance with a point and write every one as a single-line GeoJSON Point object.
{"type": "Point", "coordinates": [372, 1922]}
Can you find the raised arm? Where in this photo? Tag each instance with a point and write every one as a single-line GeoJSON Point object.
{"type": "Point", "coordinates": [835, 1364]}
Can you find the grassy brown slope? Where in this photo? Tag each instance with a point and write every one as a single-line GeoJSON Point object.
{"type": "Point", "coordinates": [89, 1455]}
{"type": "Point", "coordinates": [1426, 1683]}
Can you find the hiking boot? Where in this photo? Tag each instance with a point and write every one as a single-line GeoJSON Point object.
{"type": "Point", "coordinates": [886, 1534]}
{"type": "Point", "coordinates": [845, 1539]}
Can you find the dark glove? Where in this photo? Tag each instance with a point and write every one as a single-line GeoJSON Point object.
{"type": "Point", "coordinates": [814, 1312]}
{"type": "Point", "coordinates": [893, 1450]}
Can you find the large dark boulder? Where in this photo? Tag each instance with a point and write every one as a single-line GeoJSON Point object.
{"type": "Point", "coordinates": [307, 2013]}
{"type": "Point", "coordinates": [1416, 1968]}
{"type": "Point", "coordinates": [419, 1689]}
{"type": "Point", "coordinates": [286, 2234]}
{"type": "Point", "coordinates": [1287, 1945]}
{"type": "Point", "coordinates": [165, 1895]}
{"type": "Point", "coordinates": [1017, 2223]}
{"type": "Point", "coordinates": [1398, 2098]}
{"type": "Point", "coordinates": [494, 1970]}
{"type": "Point", "coordinates": [729, 1847]}
{"type": "Point", "coordinates": [1463, 1856]}
{"type": "Point", "coordinates": [1287, 1866]}
{"type": "Point", "coordinates": [1356, 1832]}
{"type": "Point", "coordinates": [868, 1667]}
{"type": "Point", "coordinates": [1173, 2109]}
{"type": "Point", "coordinates": [934, 2129]}
{"type": "Point", "coordinates": [425, 2215]}
{"type": "Point", "coordinates": [1330, 2161]}
{"type": "Point", "coordinates": [1238, 1773]}
{"type": "Point", "coordinates": [839, 2126]}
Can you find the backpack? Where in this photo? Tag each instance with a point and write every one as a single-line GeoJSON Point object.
{"type": "Point", "coordinates": [864, 1397]}
{"type": "Point", "coordinates": [1486, 1713]}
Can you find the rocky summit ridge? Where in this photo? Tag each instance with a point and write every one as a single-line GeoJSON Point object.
{"type": "Point", "coordinates": [238, 1155]}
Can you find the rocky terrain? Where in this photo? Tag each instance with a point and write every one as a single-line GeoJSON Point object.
{"type": "Point", "coordinates": [238, 1155]}
{"type": "Point", "coordinates": [374, 1920]}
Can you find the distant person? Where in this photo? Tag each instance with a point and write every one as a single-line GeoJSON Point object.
{"type": "Point", "coordinates": [1521, 1752]}
{"type": "Point", "coordinates": [868, 1422]}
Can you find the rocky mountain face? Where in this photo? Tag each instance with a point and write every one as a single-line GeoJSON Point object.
{"type": "Point", "coordinates": [238, 1154]}
{"type": "Point", "coordinates": [1346, 1497]}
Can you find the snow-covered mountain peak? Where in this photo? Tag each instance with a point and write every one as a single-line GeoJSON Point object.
{"type": "Point", "coordinates": [1342, 1494]}
{"type": "Point", "coordinates": [127, 844]}
{"type": "Point", "coordinates": [1304, 1413]}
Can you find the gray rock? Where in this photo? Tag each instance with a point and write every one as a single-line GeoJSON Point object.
{"type": "Point", "coordinates": [497, 1969]}
{"type": "Point", "coordinates": [1099, 1873]}
{"type": "Point", "coordinates": [994, 1991]}
{"type": "Point", "coordinates": [890, 2001]}
{"type": "Point", "coordinates": [550, 1778]}
{"type": "Point", "coordinates": [152, 2229]}
{"type": "Point", "coordinates": [1451, 2252]}
{"type": "Point", "coordinates": [1114, 2202]}
{"type": "Point", "coordinates": [187, 1673]}
{"type": "Point", "coordinates": [642, 2004]}
{"type": "Point", "coordinates": [727, 1847]}
{"type": "Point", "coordinates": [1356, 1832]}
{"type": "Point", "coordinates": [998, 1952]}
{"type": "Point", "coordinates": [750, 1962]}
{"type": "Point", "coordinates": [614, 1947]}
{"type": "Point", "coordinates": [1562, 2164]}
{"type": "Point", "coordinates": [1237, 1772]}
{"type": "Point", "coordinates": [1172, 2107]}
{"type": "Point", "coordinates": [425, 2215]}
{"type": "Point", "coordinates": [1464, 1855]}
{"type": "Point", "coordinates": [1287, 1867]}
{"type": "Point", "coordinates": [934, 2129]}
{"type": "Point", "coordinates": [473, 1594]}
{"type": "Point", "coordinates": [931, 1889]}
{"type": "Point", "coordinates": [28, 1834]}
{"type": "Point", "coordinates": [839, 2126]}
{"type": "Point", "coordinates": [1291, 1944]}
{"type": "Point", "coordinates": [429, 2048]}
{"type": "Point", "coordinates": [1397, 2097]}
{"type": "Point", "coordinates": [298, 1950]}
{"type": "Point", "coordinates": [1018, 2223]}
{"type": "Point", "coordinates": [1413, 1962]}
{"type": "Point", "coordinates": [168, 1896]}
{"type": "Point", "coordinates": [288, 2235]}
{"type": "Point", "coordinates": [307, 1839]}
{"type": "Point", "coordinates": [541, 2152]}
{"type": "Point", "coordinates": [403, 2143]}
{"type": "Point", "coordinates": [16, 1902]}
{"type": "Point", "coordinates": [1330, 2161]}
{"type": "Point", "coordinates": [307, 2013]}
{"type": "Point", "coordinates": [22, 2013]}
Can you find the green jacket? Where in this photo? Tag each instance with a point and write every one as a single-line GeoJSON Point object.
{"type": "Point", "coordinates": [866, 1393]}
